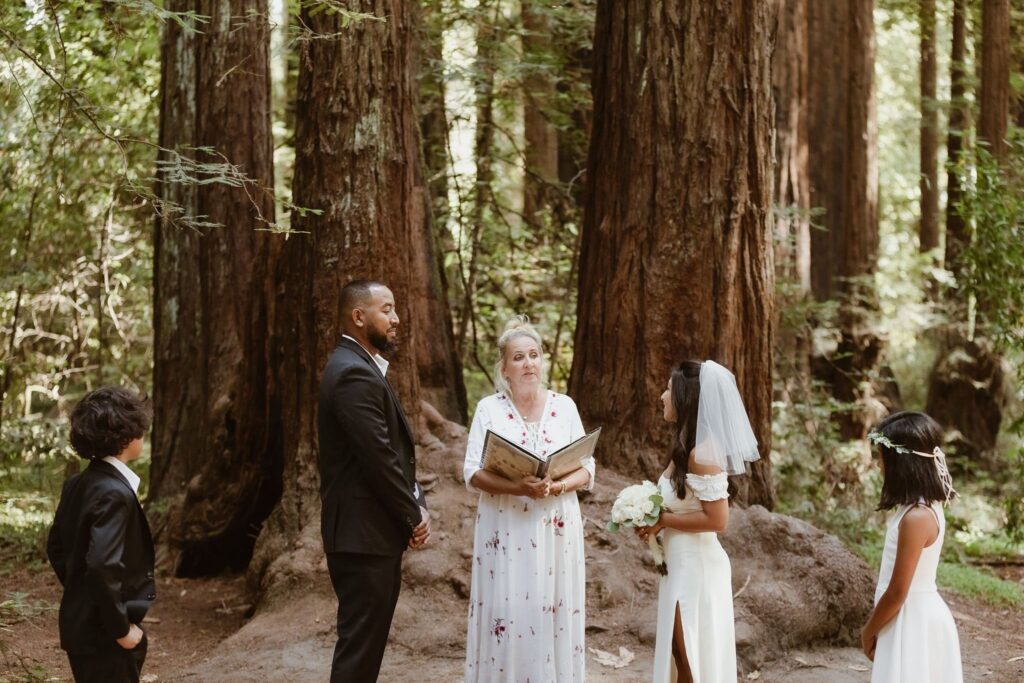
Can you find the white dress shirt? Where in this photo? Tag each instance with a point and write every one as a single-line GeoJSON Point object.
{"type": "Point", "coordinates": [377, 358]}
{"type": "Point", "coordinates": [133, 479]}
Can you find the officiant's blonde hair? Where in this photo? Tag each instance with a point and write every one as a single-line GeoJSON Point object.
{"type": "Point", "coordinates": [517, 326]}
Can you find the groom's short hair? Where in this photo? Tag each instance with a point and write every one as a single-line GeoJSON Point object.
{"type": "Point", "coordinates": [355, 294]}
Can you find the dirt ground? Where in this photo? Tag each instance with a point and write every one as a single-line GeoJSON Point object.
{"type": "Point", "coordinates": [193, 617]}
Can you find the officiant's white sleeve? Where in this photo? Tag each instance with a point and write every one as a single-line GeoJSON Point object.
{"type": "Point", "coordinates": [709, 487]}
{"type": "Point", "coordinates": [576, 431]}
{"type": "Point", "coordinates": [475, 443]}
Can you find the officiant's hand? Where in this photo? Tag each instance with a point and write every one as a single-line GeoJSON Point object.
{"type": "Point", "coordinates": [535, 487]}
{"type": "Point", "coordinates": [421, 532]}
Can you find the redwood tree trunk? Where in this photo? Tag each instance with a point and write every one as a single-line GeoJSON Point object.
{"type": "Point", "coordinates": [957, 236]}
{"type": "Point", "coordinates": [993, 118]}
{"type": "Point", "coordinates": [844, 173]}
{"type": "Point", "coordinates": [929, 227]}
{"type": "Point", "coordinates": [541, 142]}
{"type": "Point", "coordinates": [356, 162]}
{"type": "Point", "coordinates": [792, 194]}
{"type": "Point", "coordinates": [1017, 61]}
{"type": "Point", "coordinates": [792, 176]}
{"type": "Point", "coordinates": [676, 257]}
{"type": "Point", "coordinates": [844, 183]}
{"type": "Point", "coordinates": [439, 366]}
{"type": "Point", "coordinates": [216, 457]}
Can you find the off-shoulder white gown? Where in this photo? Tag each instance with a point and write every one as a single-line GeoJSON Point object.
{"type": "Point", "coordinates": [699, 581]}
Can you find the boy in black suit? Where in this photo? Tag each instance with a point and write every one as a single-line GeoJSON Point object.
{"type": "Point", "coordinates": [100, 545]}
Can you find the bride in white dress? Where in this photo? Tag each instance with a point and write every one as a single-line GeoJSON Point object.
{"type": "Point", "coordinates": [696, 637]}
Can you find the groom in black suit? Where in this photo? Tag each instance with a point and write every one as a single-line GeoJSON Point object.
{"type": "Point", "coordinates": [372, 507]}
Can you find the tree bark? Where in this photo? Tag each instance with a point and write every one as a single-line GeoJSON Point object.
{"type": "Point", "coordinates": [844, 184]}
{"type": "Point", "coordinates": [357, 163]}
{"type": "Point", "coordinates": [957, 236]}
{"type": "Point", "coordinates": [676, 257]}
{"type": "Point", "coordinates": [844, 173]}
{"type": "Point", "coordinates": [1017, 61]}
{"type": "Point", "coordinates": [215, 453]}
{"type": "Point", "coordinates": [993, 118]}
{"type": "Point", "coordinates": [792, 195]}
{"type": "Point", "coordinates": [541, 150]}
{"type": "Point", "coordinates": [792, 175]}
{"type": "Point", "coordinates": [929, 227]}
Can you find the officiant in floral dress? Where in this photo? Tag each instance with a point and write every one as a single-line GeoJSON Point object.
{"type": "Point", "coordinates": [527, 601]}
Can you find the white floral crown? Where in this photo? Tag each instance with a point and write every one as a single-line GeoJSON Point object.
{"type": "Point", "coordinates": [950, 493]}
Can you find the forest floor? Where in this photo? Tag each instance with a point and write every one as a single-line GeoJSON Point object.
{"type": "Point", "coordinates": [193, 617]}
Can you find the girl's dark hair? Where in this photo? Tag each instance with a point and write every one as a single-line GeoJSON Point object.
{"type": "Point", "coordinates": [685, 394]}
{"type": "Point", "coordinates": [909, 478]}
{"type": "Point", "coordinates": [107, 420]}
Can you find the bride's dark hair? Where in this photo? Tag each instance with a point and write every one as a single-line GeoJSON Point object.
{"type": "Point", "coordinates": [685, 393]}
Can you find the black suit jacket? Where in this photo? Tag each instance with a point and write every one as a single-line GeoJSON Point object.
{"type": "Point", "coordinates": [370, 500]}
{"type": "Point", "coordinates": [102, 551]}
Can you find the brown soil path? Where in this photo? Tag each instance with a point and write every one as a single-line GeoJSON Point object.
{"type": "Point", "coordinates": [196, 616]}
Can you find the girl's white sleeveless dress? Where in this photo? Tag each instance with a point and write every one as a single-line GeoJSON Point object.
{"type": "Point", "coordinates": [699, 581]}
{"type": "Point", "coordinates": [921, 642]}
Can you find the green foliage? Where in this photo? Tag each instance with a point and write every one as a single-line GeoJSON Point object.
{"type": "Point", "coordinates": [973, 582]}
{"type": "Point", "coordinates": [75, 251]}
{"type": "Point", "coordinates": [34, 458]}
{"type": "Point", "coordinates": [993, 203]}
{"type": "Point", "coordinates": [499, 261]}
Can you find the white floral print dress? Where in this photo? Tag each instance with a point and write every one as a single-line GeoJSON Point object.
{"type": "Point", "coordinates": [527, 600]}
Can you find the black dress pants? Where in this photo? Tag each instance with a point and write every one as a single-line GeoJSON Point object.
{"type": "Point", "coordinates": [115, 665]}
{"type": "Point", "coordinates": [367, 587]}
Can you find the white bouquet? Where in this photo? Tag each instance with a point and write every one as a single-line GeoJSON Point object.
{"type": "Point", "coordinates": [640, 505]}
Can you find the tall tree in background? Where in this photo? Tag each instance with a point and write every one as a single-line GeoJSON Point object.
{"type": "Point", "coordinates": [440, 367]}
{"type": "Point", "coordinates": [792, 186]}
{"type": "Point", "coordinates": [1017, 62]}
{"type": "Point", "coordinates": [676, 257]}
{"type": "Point", "coordinates": [929, 226]}
{"type": "Point", "coordinates": [959, 122]}
{"type": "Point", "coordinates": [994, 100]}
{"type": "Point", "coordinates": [357, 164]}
{"type": "Point", "coordinates": [541, 136]}
{"type": "Point", "coordinates": [844, 173]}
{"type": "Point", "coordinates": [792, 175]}
{"type": "Point", "coordinates": [215, 454]}
{"type": "Point", "coordinates": [844, 183]}
{"type": "Point", "coordinates": [967, 387]}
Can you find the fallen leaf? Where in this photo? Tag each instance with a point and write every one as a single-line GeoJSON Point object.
{"type": "Point", "coordinates": [149, 678]}
{"type": "Point", "coordinates": [753, 675]}
{"type": "Point", "coordinates": [801, 660]}
{"type": "Point", "coordinates": [857, 667]}
{"type": "Point", "coordinates": [619, 661]}
{"type": "Point", "coordinates": [150, 620]}
{"type": "Point", "coordinates": [1015, 659]}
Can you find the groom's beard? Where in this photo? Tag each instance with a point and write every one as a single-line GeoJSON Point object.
{"type": "Point", "coordinates": [381, 342]}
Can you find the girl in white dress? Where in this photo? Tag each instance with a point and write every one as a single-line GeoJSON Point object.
{"type": "Point", "coordinates": [696, 637]}
{"type": "Point", "coordinates": [911, 635]}
{"type": "Point", "coordinates": [527, 600]}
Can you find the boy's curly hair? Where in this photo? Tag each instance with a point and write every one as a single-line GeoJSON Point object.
{"type": "Point", "coordinates": [106, 420]}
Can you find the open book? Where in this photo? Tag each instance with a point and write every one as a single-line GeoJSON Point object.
{"type": "Point", "coordinates": [513, 462]}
